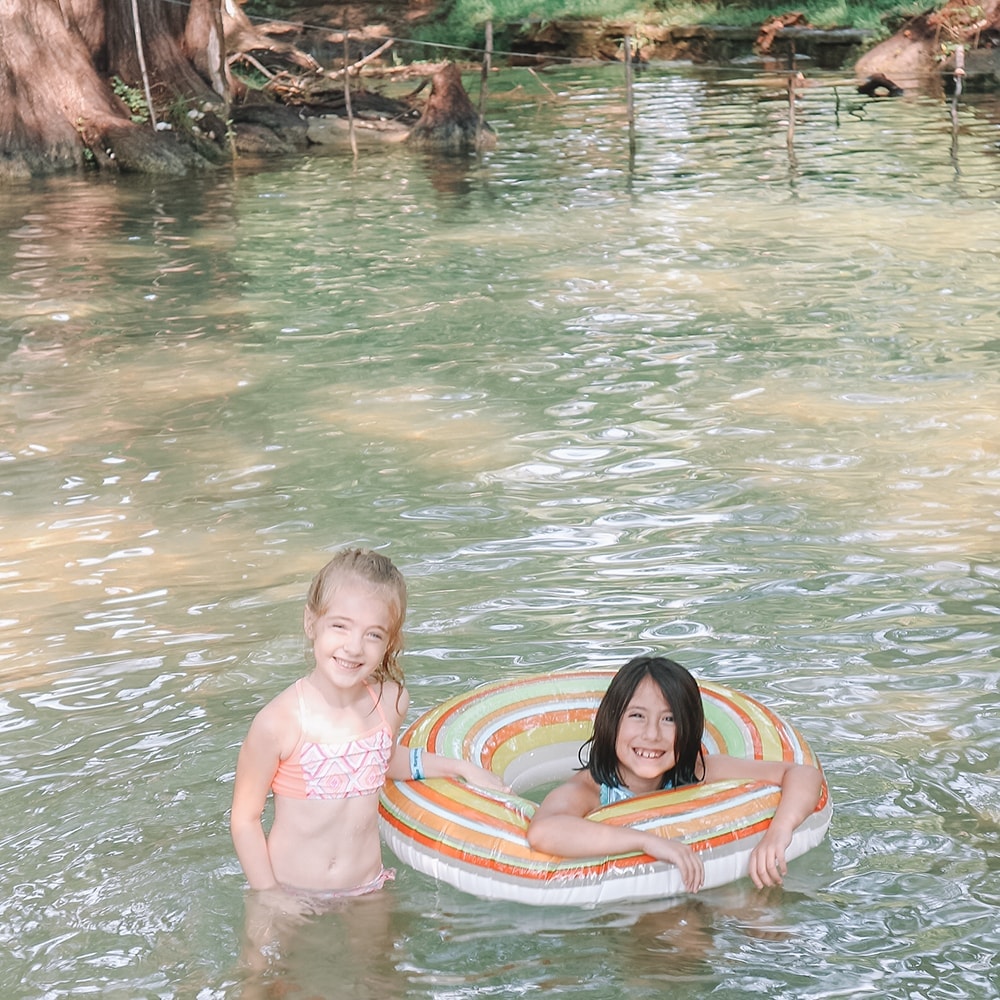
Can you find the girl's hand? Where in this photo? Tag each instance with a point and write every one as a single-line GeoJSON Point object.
{"type": "Point", "coordinates": [767, 860]}
{"type": "Point", "coordinates": [436, 765]}
{"type": "Point", "coordinates": [801, 787]}
{"type": "Point", "coordinates": [688, 863]}
{"type": "Point", "coordinates": [269, 916]}
{"type": "Point", "coordinates": [473, 774]}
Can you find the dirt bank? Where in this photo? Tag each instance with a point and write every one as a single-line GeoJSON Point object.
{"type": "Point", "coordinates": [921, 53]}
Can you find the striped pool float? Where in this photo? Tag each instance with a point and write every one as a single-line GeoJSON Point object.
{"type": "Point", "coordinates": [529, 730]}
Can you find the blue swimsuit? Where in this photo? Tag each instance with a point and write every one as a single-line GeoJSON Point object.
{"type": "Point", "coordinates": [610, 794]}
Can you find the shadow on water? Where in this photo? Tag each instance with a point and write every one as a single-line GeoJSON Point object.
{"type": "Point", "coordinates": [377, 946]}
{"type": "Point", "coordinates": [681, 947]}
{"type": "Point", "coordinates": [95, 257]}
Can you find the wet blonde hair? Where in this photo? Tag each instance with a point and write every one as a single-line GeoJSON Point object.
{"type": "Point", "coordinates": [378, 572]}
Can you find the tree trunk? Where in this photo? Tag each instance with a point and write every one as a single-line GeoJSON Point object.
{"type": "Point", "coordinates": [57, 110]}
{"type": "Point", "coordinates": [449, 122]}
{"type": "Point", "coordinates": [205, 45]}
{"type": "Point", "coordinates": [163, 28]}
{"type": "Point", "coordinates": [49, 90]}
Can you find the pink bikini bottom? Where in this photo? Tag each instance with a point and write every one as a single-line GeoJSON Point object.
{"type": "Point", "coordinates": [322, 899]}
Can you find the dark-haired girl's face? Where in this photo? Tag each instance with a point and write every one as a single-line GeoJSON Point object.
{"type": "Point", "coordinates": [646, 740]}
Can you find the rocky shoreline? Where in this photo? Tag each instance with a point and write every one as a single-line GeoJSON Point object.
{"type": "Point", "coordinates": [921, 53]}
{"type": "Point", "coordinates": [704, 43]}
{"type": "Point", "coordinates": [912, 61]}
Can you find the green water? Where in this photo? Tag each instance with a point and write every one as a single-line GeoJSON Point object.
{"type": "Point", "coordinates": [727, 399]}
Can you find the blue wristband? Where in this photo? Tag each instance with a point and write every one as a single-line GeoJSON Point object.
{"type": "Point", "coordinates": [417, 763]}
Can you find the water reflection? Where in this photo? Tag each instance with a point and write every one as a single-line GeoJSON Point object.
{"type": "Point", "coordinates": [451, 175]}
{"type": "Point", "coordinates": [149, 250]}
{"type": "Point", "coordinates": [674, 944]}
{"type": "Point", "coordinates": [349, 951]}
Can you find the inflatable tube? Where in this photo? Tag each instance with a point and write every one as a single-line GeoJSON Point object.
{"type": "Point", "coordinates": [529, 730]}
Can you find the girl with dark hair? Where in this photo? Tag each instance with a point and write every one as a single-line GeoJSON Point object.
{"type": "Point", "coordinates": [647, 737]}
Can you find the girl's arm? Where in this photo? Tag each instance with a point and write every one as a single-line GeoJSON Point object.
{"type": "Point", "coordinates": [560, 827]}
{"type": "Point", "coordinates": [434, 765]}
{"type": "Point", "coordinates": [437, 766]}
{"type": "Point", "coordinates": [801, 786]}
{"type": "Point", "coordinates": [255, 767]}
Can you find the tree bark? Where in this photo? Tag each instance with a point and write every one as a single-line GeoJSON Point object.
{"type": "Point", "coordinates": [163, 27]}
{"type": "Point", "coordinates": [57, 109]}
{"type": "Point", "coordinates": [49, 90]}
{"type": "Point", "coordinates": [205, 45]}
{"type": "Point", "coordinates": [450, 122]}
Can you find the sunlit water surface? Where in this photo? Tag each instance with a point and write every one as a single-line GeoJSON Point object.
{"type": "Point", "coordinates": [730, 398]}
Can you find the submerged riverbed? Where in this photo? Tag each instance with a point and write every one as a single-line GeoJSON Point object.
{"type": "Point", "coordinates": [729, 397]}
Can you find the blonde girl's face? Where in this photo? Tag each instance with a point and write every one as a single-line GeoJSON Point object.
{"type": "Point", "coordinates": [351, 636]}
{"type": "Point", "coordinates": [646, 740]}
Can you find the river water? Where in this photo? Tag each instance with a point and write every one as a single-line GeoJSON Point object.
{"type": "Point", "coordinates": [732, 397]}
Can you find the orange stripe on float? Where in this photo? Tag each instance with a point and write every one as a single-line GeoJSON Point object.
{"type": "Point", "coordinates": [543, 869]}
{"type": "Point", "coordinates": [511, 731]}
{"type": "Point", "coordinates": [446, 801]}
{"type": "Point", "coordinates": [456, 706]}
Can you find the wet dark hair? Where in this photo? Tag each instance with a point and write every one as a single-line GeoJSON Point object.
{"type": "Point", "coordinates": [681, 692]}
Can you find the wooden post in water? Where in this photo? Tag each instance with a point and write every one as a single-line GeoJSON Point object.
{"type": "Point", "coordinates": [959, 76]}
{"type": "Point", "coordinates": [484, 80]}
{"type": "Point", "coordinates": [629, 100]}
{"type": "Point", "coordinates": [140, 55]}
{"type": "Point", "coordinates": [347, 91]}
{"type": "Point", "coordinates": [791, 110]}
{"type": "Point", "coordinates": [791, 95]}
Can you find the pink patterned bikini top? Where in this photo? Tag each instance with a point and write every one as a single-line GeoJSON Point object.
{"type": "Point", "coordinates": [347, 770]}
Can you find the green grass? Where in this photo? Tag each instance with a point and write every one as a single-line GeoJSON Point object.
{"type": "Point", "coordinates": [873, 15]}
{"type": "Point", "coordinates": [460, 21]}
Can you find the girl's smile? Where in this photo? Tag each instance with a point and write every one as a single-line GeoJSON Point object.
{"type": "Point", "coordinates": [645, 744]}
{"type": "Point", "coordinates": [351, 637]}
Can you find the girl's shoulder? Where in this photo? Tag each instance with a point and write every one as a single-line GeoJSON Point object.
{"type": "Point", "coordinates": [281, 709]}
{"type": "Point", "coordinates": [577, 796]}
{"type": "Point", "coordinates": [394, 700]}
{"type": "Point", "coordinates": [277, 724]}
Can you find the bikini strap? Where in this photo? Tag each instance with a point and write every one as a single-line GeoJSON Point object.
{"type": "Point", "coordinates": [303, 709]}
{"type": "Point", "coordinates": [302, 701]}
{"type": "Point", "coordinates": [377, 702]}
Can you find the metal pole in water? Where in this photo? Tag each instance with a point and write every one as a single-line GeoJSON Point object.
{"type": "Point", "coordinates": [791, 95]}
{"type": "Point", "coordinates": [791, 110]}
{"type": "Point", "coordinates": [959, 73]}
